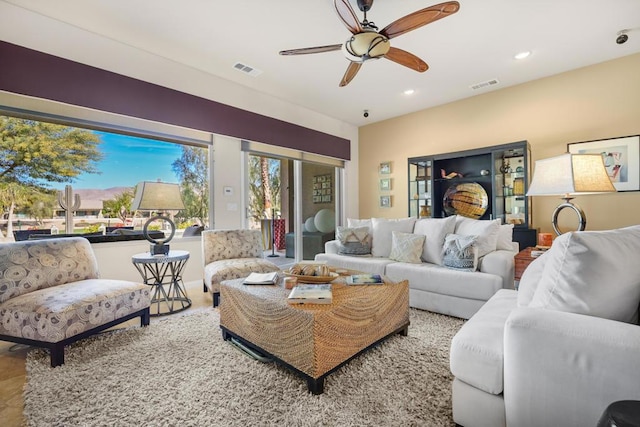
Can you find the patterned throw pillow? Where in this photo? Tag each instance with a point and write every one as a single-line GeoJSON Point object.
{"type": "Point", "coordinates": [460, 252]}
{"type": "Point", "coordinates": [406, 247]}
{"type": "Point", "coordinates": [354, 241]}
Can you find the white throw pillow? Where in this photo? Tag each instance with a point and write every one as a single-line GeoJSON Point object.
{"type": "Point", "coordinates": [356, 223]}
{"type": "Point", "coordinates": [382, 229]}
{"type": "Point", "coordinates": [406, 247]}
{"type": "Point", "coordinates": [435, 230]}
{"type": "Point", "coordinates": [530, 280]}
{"type": "Point", "coordinates": [460, 252]}
{"type": "Point", "coordinates": [486, 230]}
{"type": "Point", "coordinates": [505, 238]}
{"type": "Point", "coordinates": [594, 273]}
{"type": "Point", "coordinates": [353, 241]}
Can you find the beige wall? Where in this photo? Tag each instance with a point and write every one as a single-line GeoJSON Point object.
{"type": "Point", "coordinates": [597, 102]}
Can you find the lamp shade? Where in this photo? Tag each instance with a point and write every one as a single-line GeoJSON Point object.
{"type": "Point", "coordinates": [570, 174]}
{"type": "Point", "coordinates": [157, 196]}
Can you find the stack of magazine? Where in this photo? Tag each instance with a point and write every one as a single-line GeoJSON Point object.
{"type": "Point", "coordinates": [364, 279]}
{"type": "Point", "coordinates": [311, 294]}
{"type": "Point", "coordinates": [261, 279]}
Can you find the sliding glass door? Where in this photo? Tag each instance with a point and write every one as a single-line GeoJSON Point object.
{"type": "Point", "coordinates": [294, 202]}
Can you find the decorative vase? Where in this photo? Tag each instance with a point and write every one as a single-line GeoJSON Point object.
{"type": "Point", "coordinates": [424, 211]}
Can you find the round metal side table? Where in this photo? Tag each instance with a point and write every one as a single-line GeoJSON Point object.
{"type": "Point", "coordinates": [160, 270]}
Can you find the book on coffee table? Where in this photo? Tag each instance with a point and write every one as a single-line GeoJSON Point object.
{"type": "Point", "coordinates": [261, 279]}
{"type": "Point", "coordinates": [364, 279]}
{"type": "Point", "coordinates": [311, 294]}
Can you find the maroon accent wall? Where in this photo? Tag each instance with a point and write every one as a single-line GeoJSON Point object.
{"type": "Point", "coordinates": [29, 72]}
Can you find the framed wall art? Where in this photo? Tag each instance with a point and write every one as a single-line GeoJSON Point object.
{"type": "Point", "coordinates": [385, 168]}
{"type": "Point", "coordinates": [385, 201]}
{"type": "Point", "coordinates": [322, 189]}
{"type": "Point", "coordinates": [385, 184]}
{"type": "Point", "coordinates": [621, 159]}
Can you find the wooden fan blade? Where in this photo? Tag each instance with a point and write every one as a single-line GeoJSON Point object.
{"type": "Point", "coordinates": [348, 16]}
{"type": "Point", "coordinates": [407, 59]}
{"type": "Point", "coordinates": [351, 72]}
{"type": "Point", "coordinates": [307, 50]}
{"type": "Point", "coordinates": [418, 19]}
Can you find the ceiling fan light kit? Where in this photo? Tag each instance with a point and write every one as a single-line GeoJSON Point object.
{"type": "Point", "coordinates": [369, 43]}
{"type": "Point", "coordinates": [366, 45]}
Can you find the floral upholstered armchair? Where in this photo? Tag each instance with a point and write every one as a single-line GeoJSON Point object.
{"type": "Point", "coordinates": [231, 254]}
{"type": "Point", "coordinates": [51, 295]}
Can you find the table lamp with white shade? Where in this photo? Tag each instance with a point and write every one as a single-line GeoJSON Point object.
{"type": "Point", "coordinates": [569, 175]}
{"type": "Point", "coordinates": [158, 197]}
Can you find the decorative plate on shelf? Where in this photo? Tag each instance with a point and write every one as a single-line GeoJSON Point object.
{"type": "Point", "coordinates": [467, 199]}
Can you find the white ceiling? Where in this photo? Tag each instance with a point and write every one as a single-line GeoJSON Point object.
{"type": "Point", "coordinates": [474, 45]}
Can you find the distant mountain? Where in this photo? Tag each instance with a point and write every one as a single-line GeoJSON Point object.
{"type": "Point", "coordinates": [100, 194]}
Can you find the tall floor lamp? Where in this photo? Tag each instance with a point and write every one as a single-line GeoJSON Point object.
{"type": "Point", "coordinates": [158, 197]}
{"type": "Point", "coordinates": [569, 175]}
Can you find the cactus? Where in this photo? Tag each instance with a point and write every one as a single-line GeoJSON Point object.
{"type": "Point", "coordinates": [70, 205]}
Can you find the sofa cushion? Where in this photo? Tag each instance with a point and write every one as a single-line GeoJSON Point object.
{"type": "Point", "coordinates": [58, 312]}
{"type": "Point", "coordinates": [406, 247]}
{"type": "Point", "coordinates": [435, 230]}
{"type": "Point", "coordinates": [365, 264]}
{"type": "Point", "coordinates": [382, 229]}
{"type": "Point", "coordinates": [477, 350]}
{"type": "Point", "coordinates": [530, 280]}
{"type": "Point", "coordinates": [460, 252]}
{"type": "Point", "coordinates": [231, 244]}
{"type": "Point", "coordinates": [505, 237]}
{"type": "Point", "coordinates": [356, 223]}
{"type": "Point", "coordinates": [445, 281]}
{"type": "Point", "coordinates": [486, 230]}
{"type": "Point", "coordinates": [593, 273]}
{"type": "Point", "coordinates": [354, 241]}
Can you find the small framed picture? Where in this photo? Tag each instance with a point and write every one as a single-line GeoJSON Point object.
{"type": "Point", "coordinates": [385, 201]}
{"type": "Point", "coordinates": [385, 184]}
{"type": "Point", "coordinates": [385, 168]}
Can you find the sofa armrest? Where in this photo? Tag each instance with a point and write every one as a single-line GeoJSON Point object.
{"type": "Point", "coordinates": [331, 247]}
{"type": "Point", "coordinates": [501, 263]}
{"type": "Point", "coordinates": [565, 369]}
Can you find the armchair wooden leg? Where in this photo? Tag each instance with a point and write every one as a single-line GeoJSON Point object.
{"type": "Point", "coordinates": [57, 355]}
{"type": "Point", "coordinates": [145, 318]}
{"type": "Point", "coordinates": [216, 299]}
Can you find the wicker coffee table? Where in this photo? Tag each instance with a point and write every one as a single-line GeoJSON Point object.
{"type": "Point", "coordinates": [313, 340]}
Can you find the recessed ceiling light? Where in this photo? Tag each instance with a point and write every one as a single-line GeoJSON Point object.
{"type": "Point", "coordinates": [522, 55]}
{"type": "Point", "coordinates": [409, 92]}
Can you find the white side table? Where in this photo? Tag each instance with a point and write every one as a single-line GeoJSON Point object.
{"type": "Point", "coordinates": [160, 270]}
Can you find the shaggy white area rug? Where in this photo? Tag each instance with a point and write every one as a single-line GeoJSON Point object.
{"type": "Point", "coordinates": [179, 372]}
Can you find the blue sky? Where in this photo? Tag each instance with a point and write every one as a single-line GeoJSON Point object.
{"type": "Point", "coordinates": [128, 160]}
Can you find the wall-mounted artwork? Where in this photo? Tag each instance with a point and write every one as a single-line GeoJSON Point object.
{"type": "Point", "coordinates": [385, 184]}
{"type": "Point", "coordinates": [322, 189]}
{"type": "Point", "coordinates": [385, 201]}
{"type": "Point", "coordinates": [621, 159]}
{"type": "Point", "coordinates": [385, 168]}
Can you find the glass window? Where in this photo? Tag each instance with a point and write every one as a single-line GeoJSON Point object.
{"type": "Point", "coordinates": [39, 160]}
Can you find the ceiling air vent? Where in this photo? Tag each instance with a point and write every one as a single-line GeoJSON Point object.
{"type": "Point", "coordinates": [482, 85]}
{"type": "Point", "coordinates": [253, 72]}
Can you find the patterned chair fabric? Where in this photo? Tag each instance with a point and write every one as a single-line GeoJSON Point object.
{"type": "Point", "coordinates": [51, 294]}
{"type": "Point", "coordinates": [231, 254]}
{"type": "Point", "coordinates": [33, 264]}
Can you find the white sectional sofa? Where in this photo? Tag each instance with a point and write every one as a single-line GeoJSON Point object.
{"type": "Point", "coordinates": [563, 347]}
{"type": "Point", "coordinates": [432, 285]}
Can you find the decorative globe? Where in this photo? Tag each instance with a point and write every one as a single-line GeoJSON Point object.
{"type": "Point", "coordinates": [309, 225]}
{"type": "Point", "coordinates": [325, 221]}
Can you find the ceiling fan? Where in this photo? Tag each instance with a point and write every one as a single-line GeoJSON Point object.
{"type": "Point", "coordinates": [369, 43]}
